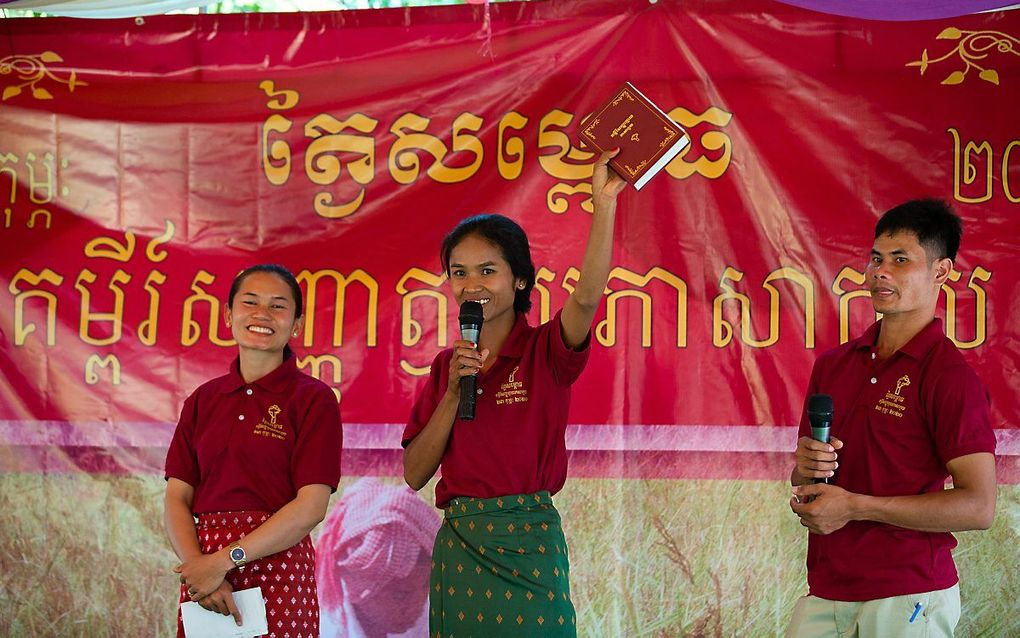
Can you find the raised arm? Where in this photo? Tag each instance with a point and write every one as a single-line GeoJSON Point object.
{"type": "Point", "coordinates": [579, 310]}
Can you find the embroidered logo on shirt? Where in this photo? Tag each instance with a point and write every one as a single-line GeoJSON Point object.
{"type": "Point", "coordinates": [271, 428]}
{"type": "Point", "coordinates": [893, 402]}
{"type": "Point", "coordinates": [902, 381]}
{"type": "Point", "coordinates": [513, 391]}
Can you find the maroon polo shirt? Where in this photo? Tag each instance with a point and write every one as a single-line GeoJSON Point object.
{"type": "Point", "coordinates": [516, 443]}
{"type": "Point", "coordinates": [901, 420]}
{"type": "Point", "coordinates": [252, 446]}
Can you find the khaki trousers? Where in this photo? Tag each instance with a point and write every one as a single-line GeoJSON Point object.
{"type": "Point", "coordinates": [936, 617]}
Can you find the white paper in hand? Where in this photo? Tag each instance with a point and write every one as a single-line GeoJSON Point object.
{"type": "Point", "coordinates": [202, 623]}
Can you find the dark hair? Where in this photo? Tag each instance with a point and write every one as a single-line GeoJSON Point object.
{"type": "Point", "coordinates": [509, 237]}
{"type": "Point", "coordinates": [933, 221]}
{"type": "Point", "coordinates": [281, 272]}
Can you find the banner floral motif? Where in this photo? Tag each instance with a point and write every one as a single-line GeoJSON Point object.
{"type": "Point", "coordinates": [30, 70]}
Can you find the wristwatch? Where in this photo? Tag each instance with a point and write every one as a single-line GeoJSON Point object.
{"type": "Point", "coordinates": [236, 553]}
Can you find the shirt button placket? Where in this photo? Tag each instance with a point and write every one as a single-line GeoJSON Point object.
{"type": "Point", "coordinates": [249, 392]}
{"type": "Point", "coordinates": [873, 367]}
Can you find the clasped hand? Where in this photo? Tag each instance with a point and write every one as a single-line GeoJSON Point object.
{"type": "Point", "coordinates": [202, 574]}
{"type": "Point", "coordinates": [205, 579]}
{"type": "Point", "coordinates": [822, 508]}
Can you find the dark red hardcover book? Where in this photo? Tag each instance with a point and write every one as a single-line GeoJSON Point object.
{"type": "Point", "coordinates": [647, 137]}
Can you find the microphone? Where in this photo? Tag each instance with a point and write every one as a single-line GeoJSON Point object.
{"type": "Point", "coordinates": [819, 412]}
{"type": "Point", "coordinates": [470, 326]}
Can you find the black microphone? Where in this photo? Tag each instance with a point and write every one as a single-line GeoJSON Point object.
{"type": "Point", "coordinates": [470, 326]}
{"type": "Point", "coordinates": [819, 412]}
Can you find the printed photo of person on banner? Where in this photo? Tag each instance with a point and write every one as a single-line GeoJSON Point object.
{"type": "Point", "coordinates": [905, 412]}
{"type": "Point", "coordinates": [254, 459]}
{"type": "Point", "coordinates": [372, 563]}
{"type": "Point", "coordinates": [499, 563]}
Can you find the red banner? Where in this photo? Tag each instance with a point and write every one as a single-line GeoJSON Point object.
{"type": "Point", "coordinates": [144, 162]}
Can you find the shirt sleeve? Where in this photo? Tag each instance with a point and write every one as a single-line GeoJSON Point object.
{"type": "Point", "coordinates": [566, 363]}
{"type": "Point", "coordinates": [316, 456]}
{"type": "Point", "coordinates": [959, 413]}
{"type": "Point", "coordinates": [428, 398]}
{"type": "Point", "coordinates": [181, 458]}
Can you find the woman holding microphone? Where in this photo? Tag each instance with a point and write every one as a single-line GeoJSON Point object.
{"type": "Point", "coordinates": [500, 565]}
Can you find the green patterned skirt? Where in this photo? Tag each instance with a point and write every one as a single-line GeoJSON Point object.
{"type": "Point", "coordinates": [500, 569]}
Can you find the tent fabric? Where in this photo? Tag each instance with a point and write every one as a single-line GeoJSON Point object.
{"type": "Point", "coordinates": [901, 10]}
{"type": "Point", "coordinates": [103, 8]}
{"type": "Point", "coordinates": [868, 9]}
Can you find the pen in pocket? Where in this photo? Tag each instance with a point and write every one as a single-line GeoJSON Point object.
{"type": "Point", "coordinates": [917, 610]}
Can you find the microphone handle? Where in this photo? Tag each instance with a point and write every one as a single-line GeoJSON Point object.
{"type": "Point", "coordinates": [821, 434]}
{"type": "Point", "coordinates": [466, 407]}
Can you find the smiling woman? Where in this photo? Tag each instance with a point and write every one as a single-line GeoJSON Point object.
{"type": "Point", "coordinates": [501, 469]}
{"type": "Point", "coordinates": [254, 458]}
{"type": "Point", "coordinates": [264, 305]}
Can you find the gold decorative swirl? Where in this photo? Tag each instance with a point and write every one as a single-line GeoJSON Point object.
{"type": "Point", "coordinates": [971, 48]}
{"type": "Point", "coordinates": [30, 70]}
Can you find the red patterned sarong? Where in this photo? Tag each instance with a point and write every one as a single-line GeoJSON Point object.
{"type": "Point", "coordinates": [287, 578]}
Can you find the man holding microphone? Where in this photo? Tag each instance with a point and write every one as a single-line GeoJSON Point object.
{"type": "Point", "coordinates": [907, 412]}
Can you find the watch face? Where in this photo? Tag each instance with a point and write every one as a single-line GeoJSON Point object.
{"type": "Point", "coordinates": [236, 554]}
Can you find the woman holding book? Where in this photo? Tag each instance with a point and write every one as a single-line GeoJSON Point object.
{"type": "Point", "coordinates": [500, 565]}
{"type": "Point", "coordinates": [255, 456]}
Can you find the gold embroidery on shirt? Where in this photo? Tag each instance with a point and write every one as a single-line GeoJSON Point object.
{"type": "Point", "coordinates": [893, 403]}
{"type": "Point", "coordinates": [513, 391]}
{"type": "Point", "coordinates": [904, 380]}
{"type": "Point", "coordinates": [271, 428]}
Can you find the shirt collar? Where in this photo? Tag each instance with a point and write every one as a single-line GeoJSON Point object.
{"type": "Point", "coordinates": [916, 348]}
{"type": "Point", "coordinates": [869, 339]}
{"type": "Point", "coordinates": [276, 381]}
{"type": "Point", "coordinates": [925, 340]}
{"type": "Point", "coordinates": [518, 337]}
